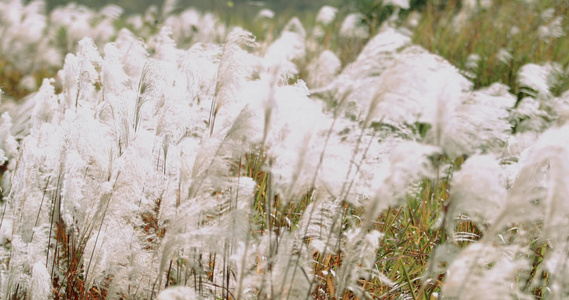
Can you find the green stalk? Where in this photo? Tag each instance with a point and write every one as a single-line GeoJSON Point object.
{"type": "Point", "coordinates": [408, 281]}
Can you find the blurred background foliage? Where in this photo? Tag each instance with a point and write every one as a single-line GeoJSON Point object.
{"type": "Point", "coordinates": [139, 6]}
{"type": "Point", "coordinates": [442, 28]}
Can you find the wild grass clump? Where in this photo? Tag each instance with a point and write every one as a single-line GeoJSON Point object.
{"type": "Point", "coordinates": [185, 164]}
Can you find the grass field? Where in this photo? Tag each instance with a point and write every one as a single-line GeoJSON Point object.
{"type": "Point", "coordinates": [248, 154]}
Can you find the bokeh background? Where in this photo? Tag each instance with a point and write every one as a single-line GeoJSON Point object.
{"type": "Point", "coordinates": [239, 6]}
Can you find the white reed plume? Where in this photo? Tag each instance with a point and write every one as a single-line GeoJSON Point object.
{"type": "Point", "coordinates": [234, 67]}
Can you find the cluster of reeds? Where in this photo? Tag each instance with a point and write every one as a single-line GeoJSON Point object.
{"type": "Point", "coordinates": [159, 163]}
